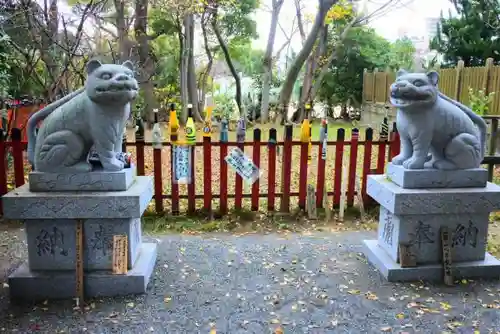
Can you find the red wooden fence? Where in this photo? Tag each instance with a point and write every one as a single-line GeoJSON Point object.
{"type": "Point", "coordinates": [13, 173]}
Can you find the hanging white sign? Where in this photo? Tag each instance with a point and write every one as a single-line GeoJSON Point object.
{"type": "Point", "coordinates": [181, 164]}
{"type": "Point", "coordinates": [243, 165]}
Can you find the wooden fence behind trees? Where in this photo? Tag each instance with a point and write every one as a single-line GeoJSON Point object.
{"type": "Point", "coordinates": [453, 82]}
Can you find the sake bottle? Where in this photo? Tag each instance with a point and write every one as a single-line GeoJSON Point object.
{"type": "Point", "coordinates": [156, 134]}
{"type": "Point", "coordinates": [173, 123]}
{"type": "Point", "coordinates": [190, 128]}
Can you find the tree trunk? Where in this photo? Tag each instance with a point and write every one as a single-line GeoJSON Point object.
{"type": "Point", "coordinates": [208, 69]}
{"type": "Point", "coordinates": [183, 59]}
{"type": "Point", "coordinates": [146, 63]}
{"type": "Point", "coordinates": [191, 70]}
{"type": "Point", "coordinates": [124, 44]}
{"type": "Point", "coordinates": [311, 66]}
{"type": "Point", "coordinates": [326, 66]}
{"type": "Point", "coordinates": [293, 72]}
{"type": "Point", "coordinates": [268, 61]}
{"type": "Point", "coordinates": [230, 64]}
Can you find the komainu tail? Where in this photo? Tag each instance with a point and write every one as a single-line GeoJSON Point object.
{"type": "Point", "coordinates": [41, 115]}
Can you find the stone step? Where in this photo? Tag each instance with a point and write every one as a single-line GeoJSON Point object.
{"type": "Point", "coordinates": [97, 180]}
{"type": "Point", "coordinates": [434, 178]}
{"type": "Point", "coordinates": [403, 201]}
{"type": "Point", "coordinates": [21, 203]}
{"type": "Point", "coordinates": [392, 271]}
{"type": "Point", "coordinates": [29, 285]}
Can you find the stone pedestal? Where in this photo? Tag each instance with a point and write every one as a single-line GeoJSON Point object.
{"type": "Point", "coordinates": [108, 204]}
{"type": "Point", "coordinates": [415, 204]}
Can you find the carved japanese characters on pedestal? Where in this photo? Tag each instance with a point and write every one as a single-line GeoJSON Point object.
{"type": "Point", "coordinates": [436, 131]}
{"type": "Point", "coordinates": [92, 117]}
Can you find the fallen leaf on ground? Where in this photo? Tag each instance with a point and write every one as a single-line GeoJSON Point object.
{"type": "Point", "coordinates": [400, 316]}
{"type": "Point", "coordinates": [454, 325]}
{"type": "Point", "coordinates": [445, 306]}
{"type": "Point", "coordinates": [371, 296]}
{"type": "Point", "coordinates": [386, 329]}
{"type": "Point", "coordinates": [354, 292]}
{"type": "Point", "coordinates": [167, 299]}
{"type": "Point", "coordinates": [279, 330]}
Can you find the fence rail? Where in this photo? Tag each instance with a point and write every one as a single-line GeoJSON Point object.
{"type": "Point", "coordinates": [287, 175]}
{"type": "Point", "coordinates": [453, 82]}
{"type": "Point", "coordinates": [14, 170]}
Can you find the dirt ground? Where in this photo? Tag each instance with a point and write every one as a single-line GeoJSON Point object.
{"type": "Point", "coordinates": [311, 282]}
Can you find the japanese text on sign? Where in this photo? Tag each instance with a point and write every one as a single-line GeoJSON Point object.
{"type": "Point", "coordinates": [120, 259]}
{"type": "Point", "coordinates": [243, 165]}
{"type": "Point", "coordinates": [181, 164]}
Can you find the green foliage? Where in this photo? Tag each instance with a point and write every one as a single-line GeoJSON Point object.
{"type": "Point", "coordinates": [224, 106]}
{"type": "Point", "coordinates": [472, 36]}
{"type": "Point", "coordinates": [479, 101]}
{"type": "Point", "coordinates": [401, 54]}
{"type": "Point", "coordinates": [5, 66]}
{"type": "Point", "coordinates": [362, 49]}
{"type": "Point", "coordinates": [234, 19]}
{"type": "Point", "coordinates": [166, 50]}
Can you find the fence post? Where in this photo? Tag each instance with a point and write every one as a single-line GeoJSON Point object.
{"type": "Point", "coordinates": [395, 144]}
{"type": "Point", "coordinates": [363, 97]}
{"type": "Point", "coordinates": [367, 163]}
{"type": "Point", "coordinates": [386, 88]}
{"type": "Point", "coordinates": [139, 146]}
{"type": "Point", "coordinates": [3, 170]}
{"type": "Point", "coordinates": [157, 165]}
{"type": "Point", "coordinates": [305, 133]}
{"type": "Point", "coordinates": [223, 166]}
{"type": "Point", "coordinates": [493, 146]}
{"type": "Point", "coordinates": [384, 131]}
{"type": "Point", "coordinates": [488, 66]}
{"type": "Point", "coordinates": [271, 178]}
{"type": "Point", "coordinates": [238, 185]}
{"type": "Point", "coordinates": [17, 154]}
{"type": "Point", "coordinates": [458, 82]}
{"type": "Point", "coordinates": [374, 86]}
{"type": "Point", "coordinates": [353, 159]}
{"type": "Point", "coordinates": [256, 161]}
{"type": "Point", "coordinates": [286, 176]}
{"type": "Point", "coordinates": [207, 172]}
{"type": "Point", "coordinates": [322, 156]}
{"type": "Point", "coordinates": [339, 155]}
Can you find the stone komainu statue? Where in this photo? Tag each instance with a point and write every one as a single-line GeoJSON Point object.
{"type": "Point", "coordinates": [436, 131]}
{"type": "Point", "coordinates": [92, 117]}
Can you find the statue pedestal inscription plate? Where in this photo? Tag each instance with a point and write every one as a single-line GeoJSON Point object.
{"type": "Point", "coordinates": [415, 216]}
{"type": "Point", "coordinates": [51, 218]}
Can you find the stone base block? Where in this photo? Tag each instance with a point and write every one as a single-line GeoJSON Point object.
{"type": "Point", "coordinates": [97, 180]}
{"type": "Point", "coordinates": [468, 235]}
{"type": "Point", "coordinates": [432, 201]}
{"type": "Point", "coordinates": [21, 203]}
{"type": "Point", "coordinates": [487, 268]}
{"type": "Point", "coordinates": [35, 285]}
{"type": "Point", "coordinates": [434, 178]}
{"type": "Point", "coordinates": [52, 246]}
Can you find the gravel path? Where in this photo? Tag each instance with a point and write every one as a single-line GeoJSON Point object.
{"type": "Point", "coordinates": [315, 283]}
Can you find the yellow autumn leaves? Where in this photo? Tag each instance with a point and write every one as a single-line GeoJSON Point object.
{"type": "Point", "coordinates": [339, 11]}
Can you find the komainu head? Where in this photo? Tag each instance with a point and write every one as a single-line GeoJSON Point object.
{"type": "Point", "coordinates": [412, 90]}
{"type": "Point", "coordinates": [111, 84]}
